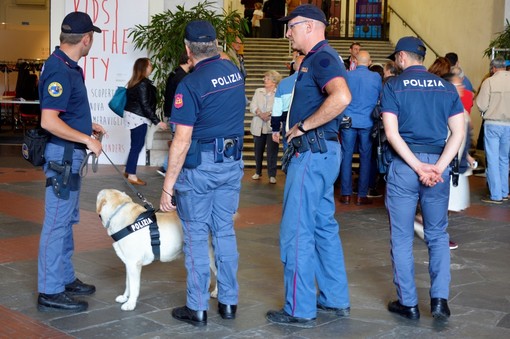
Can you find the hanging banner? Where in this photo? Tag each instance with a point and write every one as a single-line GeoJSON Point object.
{"type": "Point", "coordinates": [109, 64]}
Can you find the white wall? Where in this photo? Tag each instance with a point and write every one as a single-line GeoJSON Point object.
{"type": "Point", "coordinates": [465, 27]}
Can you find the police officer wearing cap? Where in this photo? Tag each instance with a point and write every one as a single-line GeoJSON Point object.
{"type": "Point", "coordinates": [418, 109]}
{"type": "Point", "coordinates": [205, 171]}
{"type": "Point", "coordinates": [66, 116]}
{"type": "Point", "coordinates": [310, 246]}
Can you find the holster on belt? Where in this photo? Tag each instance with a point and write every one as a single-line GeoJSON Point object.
{"type": "Point", "coordinates": [455, 171]}
{"type": "Point", "coordinates": [228, 148]}
{"type": "Point", "coordinates": [65, 181]}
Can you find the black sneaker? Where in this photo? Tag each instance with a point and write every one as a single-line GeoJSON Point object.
{"type": "Point", "coordinates": [281, 317]}
{"type": "Point", "coordinates": [373, 193]}
{"type": "Point", "coordinates": [60, 302]}
{"type": "Point", "coordinates": [339, 312]}
{"type": "Point", "coordinates": [79, 288]}
{"type": "Point", "coordinates": [492, 201]}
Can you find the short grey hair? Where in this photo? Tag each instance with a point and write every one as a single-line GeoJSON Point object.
{"type": "Point", "coordinates": [498, 62]}
{"type": "Point", "coordinates": [72, 38]}
{"type": "Point", "coordinates": [457, 71]}
{"type": "Point", "coordinates": [202, 50]}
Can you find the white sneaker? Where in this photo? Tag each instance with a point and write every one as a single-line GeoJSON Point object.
{"type": "Point", "coordinates": [255, 176]}
{"type": "Point", "coordinates": [161, 171]}
{"type": "Point", "coordinates": [272, 180]}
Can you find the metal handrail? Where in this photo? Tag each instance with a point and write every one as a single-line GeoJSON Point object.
{"type": "Point", "coordinates": [406, 24]}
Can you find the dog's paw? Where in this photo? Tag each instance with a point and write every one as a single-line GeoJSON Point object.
{"type": "Point", "coordinates": [128, 306]}
{"type": "Point", "coordinates": [121, 299]}
{"type": "Point", "coordinates": [214, 293]}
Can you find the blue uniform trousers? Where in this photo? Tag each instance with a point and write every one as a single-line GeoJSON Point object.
{"type": "Point", "coordinates": [207, 198]}
{"type": "Point", "coordinates": [310, 246]}
{"type": "Point", "coordinates": [349, 137]}
{"type": "Point", "coordinates": [56, 245]}
{"type": "Point", "coordinates": [403, 190]}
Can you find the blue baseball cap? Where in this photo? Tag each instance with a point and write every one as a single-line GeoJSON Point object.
{"type": "Point", "coordinates": [78, 23]}
{"type": "Point", "coordinates": [409, 44]}
{"type": "Point", "coordinates": [200, 31]}
{"type": "Point", "coordinates": [307, 11]}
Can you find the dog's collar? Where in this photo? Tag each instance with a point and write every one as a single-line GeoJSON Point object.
{"type": "Point", "coordinates": [115, 213]}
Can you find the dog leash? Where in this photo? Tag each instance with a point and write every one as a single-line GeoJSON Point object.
{"type": "Point", "coordinates": [147, 204]}
{"type": "Point", "coordinates": [84, 170]}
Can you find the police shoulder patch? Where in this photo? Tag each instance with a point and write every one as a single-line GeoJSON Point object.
{"type": "Point", "coordinates": [55, 89]}
{"type": "Point", "coordinates": [178, 102]}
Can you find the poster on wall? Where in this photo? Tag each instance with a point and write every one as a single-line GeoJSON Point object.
{"type": "Point", "coordinates": [109, 64]}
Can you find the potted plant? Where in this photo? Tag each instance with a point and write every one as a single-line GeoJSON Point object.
{"type": "Point", "coordinates": [502, 41]}
{"type": "Point", "coordinates": [163, 37]}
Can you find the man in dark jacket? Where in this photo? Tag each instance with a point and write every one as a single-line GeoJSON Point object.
{"type": "Point", "coordinates": [173, 80]}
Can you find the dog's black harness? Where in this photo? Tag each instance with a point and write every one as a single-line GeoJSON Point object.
{"type": "Point", "coordinates": [147, 218]}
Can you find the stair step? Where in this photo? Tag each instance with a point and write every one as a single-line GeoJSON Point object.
{"type": "Point", "coordinates": [261, 55]}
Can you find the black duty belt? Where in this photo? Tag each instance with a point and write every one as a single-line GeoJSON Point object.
{"type": "Point", "coordinates": [314, 141]}
{"type": "Point", "coordinates": [61, 142]}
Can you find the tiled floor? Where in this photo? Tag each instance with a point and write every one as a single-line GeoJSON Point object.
{"type": "Point", "coordinates": [480, 288]}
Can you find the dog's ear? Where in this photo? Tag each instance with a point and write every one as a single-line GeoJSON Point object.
{"type": "Point", "coordinates": [100, 204]}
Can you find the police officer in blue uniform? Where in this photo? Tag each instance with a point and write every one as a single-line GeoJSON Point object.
{"type": "Point", "coordinates": [205, 171]}
{"type": "Point", "coordinates": [66, 115]}
{"type": "Point", "coordinates": [418, 110]}
{"type": "Point", "coordinates": [310, 246]}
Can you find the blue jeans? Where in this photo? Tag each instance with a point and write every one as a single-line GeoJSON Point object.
{"type": "Point", "coordinates": [137, 141]}
{"type": "Point", "coordinates": [310, 245]}
{"type": "Point", "coordinates": [349, 137]}
{"type": "Point", "coordinates": [497, 148]}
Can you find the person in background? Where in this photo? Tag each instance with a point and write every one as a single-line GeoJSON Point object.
{"type": "Point", "coordinates": [249, 8]}
{"type": "Point", "coordinates": [255, 20]}
{"type": "Point", "coordinates": [467, 96]}
{"type": "Point", "coordinates": [314, 274]}
{"type": "Point", "coordinates": [453, 58]}
{"type": "Point", "coordinates": [281, 105]}
{"type": "Point", "coordinates": [66, 116]}
{"type": "Point", "coordinates": [140, 111]}
{"type": "Point", "coordinates": [237, 53]}
{"type": "Point", "coordinates": [365, 87]}
{"type": "Point", "coordinates": [416, 120]}
{"type": "Point", "coordinates": [274, 10]}
{"type": "Point", "coordinates": [202, 183]}
{"type": "Point", "coordinates": [261, 107]}
{"type": "Point", "coordinates": [174, 78]}
{"type": "Point", "coordinates": [351, 62]}
{"type": "Point", "coordinates": [440, 67]}
{"type": "Point", "coordinates": [376, 178]}
{"type": "Point", "coordinates": [493, 101]}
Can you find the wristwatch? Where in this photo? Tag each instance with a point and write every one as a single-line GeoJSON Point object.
{"type": "Point", "coordinates": [300, 126]}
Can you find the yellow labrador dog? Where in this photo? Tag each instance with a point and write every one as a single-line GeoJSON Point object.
{"type": "Point", "coordinates": [117, 210]}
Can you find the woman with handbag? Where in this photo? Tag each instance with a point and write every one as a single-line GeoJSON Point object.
{"type": "Point", "coordinates": [140, 111]}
